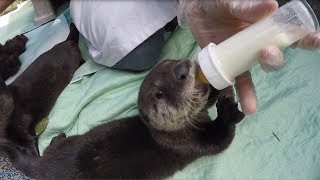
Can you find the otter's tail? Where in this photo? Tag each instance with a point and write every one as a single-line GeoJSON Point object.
{"type": "Point", "coordinates": [74, 33]}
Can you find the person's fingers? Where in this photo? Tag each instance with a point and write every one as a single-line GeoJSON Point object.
{"type": "Point", "coordinates": [270, 58]}
{"type": "Point", "coordinates": [251, 11]}
{"type": "Point", "coordinates": [311, 41]}
{"type": "Point", "coordinates": [246, 93]}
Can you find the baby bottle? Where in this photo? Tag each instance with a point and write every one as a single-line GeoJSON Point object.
{"type": "Point", "coordinates": [221, 64]}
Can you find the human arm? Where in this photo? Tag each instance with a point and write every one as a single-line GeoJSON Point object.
{"type": "Point", "coordinates": [215, 21]}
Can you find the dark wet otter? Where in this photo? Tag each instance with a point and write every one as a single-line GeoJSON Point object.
{"type": "Point", "coordinates": [172, 130]}
{"type": "Point", "coordinates": [30, 97]}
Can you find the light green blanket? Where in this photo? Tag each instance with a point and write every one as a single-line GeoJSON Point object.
{"type": "Point", "coordinates": [289, 104]}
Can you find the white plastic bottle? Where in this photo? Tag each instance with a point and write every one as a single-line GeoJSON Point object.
{"type": "Point", "coordinates": [221, 64]}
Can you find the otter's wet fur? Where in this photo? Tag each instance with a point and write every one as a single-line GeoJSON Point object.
{"type": "Point", "coordinates": [172, 130]}
{"type": "Point", "coordinates": [31, 96]}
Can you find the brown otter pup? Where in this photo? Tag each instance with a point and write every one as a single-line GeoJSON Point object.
{"type": "Point", "coordinates": [172, 130]}
{"type": "Point", "coordinates": [30, 97]}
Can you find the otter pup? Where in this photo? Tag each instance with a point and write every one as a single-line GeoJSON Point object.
{"type": "Point", "coordinates": [30, 97]}
{"type": "Point", "coordinates": [172, 130]}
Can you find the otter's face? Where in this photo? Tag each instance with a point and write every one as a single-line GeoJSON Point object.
{"type": "Point", "coordinates": [170, 97]}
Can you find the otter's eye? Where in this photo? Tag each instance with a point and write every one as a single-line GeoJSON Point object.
{"type": "Point", "coordinates": [159, 95]}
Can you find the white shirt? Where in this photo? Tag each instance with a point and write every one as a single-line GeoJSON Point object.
{"type": "Point", "coordinates": [113, 28]}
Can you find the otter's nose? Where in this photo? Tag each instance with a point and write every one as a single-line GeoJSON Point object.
{"type": "Point", "coordinates": [181, 70]}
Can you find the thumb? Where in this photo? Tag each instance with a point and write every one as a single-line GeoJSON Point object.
{"type": "Point", "coordinates": [251, 11]}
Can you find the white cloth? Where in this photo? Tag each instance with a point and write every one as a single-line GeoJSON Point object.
{"type": "Point", "coordinates": [114, 28]}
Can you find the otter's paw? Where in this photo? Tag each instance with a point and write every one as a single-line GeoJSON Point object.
{"type": "Point", "coordinates": [57, 138]}
{"type": "Point", "coordinates": [228, 110]}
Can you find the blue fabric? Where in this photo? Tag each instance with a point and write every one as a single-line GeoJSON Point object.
{"type": "Point", "coordinates": [8, 172]}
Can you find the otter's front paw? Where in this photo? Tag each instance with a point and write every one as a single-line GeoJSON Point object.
{"type": "Point", "coordinates": [228, 110]}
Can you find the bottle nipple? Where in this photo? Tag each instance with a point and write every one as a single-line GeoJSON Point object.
{"type": "Point", "coordinates": [200, 76]}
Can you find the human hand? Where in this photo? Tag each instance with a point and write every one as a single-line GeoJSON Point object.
{"type": "Point", "coordinates": [216, 20]}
